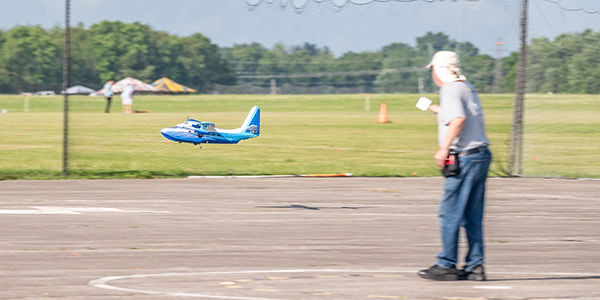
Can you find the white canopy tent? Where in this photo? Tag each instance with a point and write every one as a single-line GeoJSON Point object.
{"type": "Point", "coordinates": [138, 86]}
{"type": "Point", "coordinates": [78, 90]}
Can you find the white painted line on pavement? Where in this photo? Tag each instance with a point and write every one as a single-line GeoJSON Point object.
{"type": "Point", "coordinates": [77, 209]}
{"type": "Point", "coordinates": [36, 212]}
{"type": "Point", "coordinates": [55, 210]}
{"type": "Point", "coordinates": [103, 282]}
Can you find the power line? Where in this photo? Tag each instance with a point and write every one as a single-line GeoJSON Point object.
{"type": "Point", "coordinates": [573, 7]}
{"type": "Point", "coordinates": [328, 74]}
{"type": "Point", "coordinates": [250, 75]}
{"type": "Point", "coordinates": [324, 83]}
{"type": "Point", "coordinates": [544, 17]}
{"type": "Point", "coordinates": [316, 62]}
{"type": "Point", "coordinates": [300, 8]}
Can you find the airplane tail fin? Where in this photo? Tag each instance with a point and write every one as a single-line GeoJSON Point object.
{"type": "Point", "coordinates": [252, 122]}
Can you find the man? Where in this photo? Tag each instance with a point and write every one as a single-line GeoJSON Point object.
{"type": "Point", "coordinates": [127, 98]}
{"type": "Point", "coordinates": [108, 93]}
{"type": "Point", "coordinates": [461, 128]}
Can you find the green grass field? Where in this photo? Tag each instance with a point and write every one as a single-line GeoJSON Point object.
{"type": "Point", "coordinates": [300, 134]}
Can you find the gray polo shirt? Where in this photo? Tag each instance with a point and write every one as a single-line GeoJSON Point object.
{"type": "Point", "coordinates": [459, 99]}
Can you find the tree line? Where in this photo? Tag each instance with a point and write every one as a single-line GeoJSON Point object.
{"type": "Point", "coordinates": [31, 59]}
{"type": "Point", "coordinates": [395, 68]}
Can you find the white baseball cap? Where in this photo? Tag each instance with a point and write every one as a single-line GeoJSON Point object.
{"type": "Point", "coordinates": [446, 66]}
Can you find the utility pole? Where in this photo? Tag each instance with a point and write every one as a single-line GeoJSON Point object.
{"type": "Point", "coordinates": [516, 139]}
{"type": "Point", "coordinates": [273, 86]}
{"type": "Point", "coordinates": [457, 48]}
{"type": "Point", "coordinates": [430, 50]}
{"type": "Point", "coordinates": [498, 71]}
{"type": "Point", "coordinates": [64, 88]}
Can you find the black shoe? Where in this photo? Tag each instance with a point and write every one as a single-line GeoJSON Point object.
{"type": "Point", "coordinates": [477, 274]}
{"type": "Point", "coordinates": [438, 273]}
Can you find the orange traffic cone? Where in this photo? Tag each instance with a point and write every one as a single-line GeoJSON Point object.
{"type": "Point", "coordinates": [383, 118]}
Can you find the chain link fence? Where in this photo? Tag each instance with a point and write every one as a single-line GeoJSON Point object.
{"type": "Point", "coordinates": [319, 71]}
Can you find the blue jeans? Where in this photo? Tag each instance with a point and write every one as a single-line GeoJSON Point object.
{"type": "Point", "coordinates": [462, 205]}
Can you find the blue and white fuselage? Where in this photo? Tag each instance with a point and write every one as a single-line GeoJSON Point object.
{"type": "Point", "coordinates": [196, 132]}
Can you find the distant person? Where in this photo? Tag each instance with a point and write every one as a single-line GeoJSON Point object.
{"type": "Point", "coordinates": [108, 93]}
{"type": "Point", "coordinates": [127, 98]}
{"type": "Point", "coordinates": [460, 128]}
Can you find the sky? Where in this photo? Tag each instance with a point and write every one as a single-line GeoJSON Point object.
{"type": "Point", "coordinates": [354, 28]}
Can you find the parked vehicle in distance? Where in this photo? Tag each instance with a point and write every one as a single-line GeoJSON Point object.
{"type": "Point", "coordinates": [45, 93]}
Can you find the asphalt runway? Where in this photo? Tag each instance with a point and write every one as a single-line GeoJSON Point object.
{"type": "Point", "coordinates": [287, 239]}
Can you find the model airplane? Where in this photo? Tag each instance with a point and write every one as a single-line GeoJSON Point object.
{"type": "Point", "coordinates": [196, 132]}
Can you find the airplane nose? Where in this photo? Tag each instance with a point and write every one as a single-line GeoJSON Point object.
{"type": "Point", "coordinates": [166, 132]}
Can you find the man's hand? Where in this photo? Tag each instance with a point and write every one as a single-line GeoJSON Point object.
{"type": "Point", "coordinates": [434, 108]}
{"type": "Point", "coordinates": [454, 128]}
{"type": "Point", "coordinates": [440, 157]}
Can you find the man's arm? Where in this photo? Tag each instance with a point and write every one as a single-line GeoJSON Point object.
{"type": "Point", "coordinates": [454, 128]}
